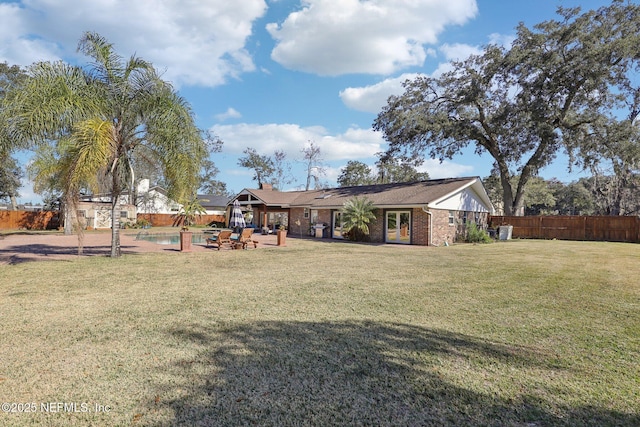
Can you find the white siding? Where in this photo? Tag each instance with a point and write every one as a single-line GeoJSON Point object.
{"type": "Point", "coordinates": [465, 200]}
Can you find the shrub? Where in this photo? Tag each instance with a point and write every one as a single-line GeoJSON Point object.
{"type": "Point", "coordinates": [357, 213]}
{"type": "Point", "coordinates": [477, 235]}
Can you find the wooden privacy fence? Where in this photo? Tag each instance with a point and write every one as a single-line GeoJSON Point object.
{"type": "Point", "coordinates": [26, 220]}
{"type": "Point", "coordinates": [165, 220]}
{"type": "Point", "coordinates": [572, 227]}
{"type": "Point", "coordinates": [11, 220]}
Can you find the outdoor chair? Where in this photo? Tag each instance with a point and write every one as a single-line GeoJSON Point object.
{"type": "Point", "coordinates": [244, 238]}
{"type": "Point", "coordinates": [224, 237]}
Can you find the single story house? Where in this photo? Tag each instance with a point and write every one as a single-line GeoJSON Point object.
{"type": "Point", "coordinates": [432, 212]}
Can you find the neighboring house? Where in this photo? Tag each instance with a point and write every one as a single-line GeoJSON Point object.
{"type": "Point", "coordinates": [96, 208]}
{"type": "Point", "coordinates": [21, 207]}
{"type": "Point", "coordinates": [213, 204]}
{"type": "Point", "coordinates": [154, 200]}
{"type": "Point", "coordinates": [95, 211]}
{"type": "Point", "coordinates": [432, 212]}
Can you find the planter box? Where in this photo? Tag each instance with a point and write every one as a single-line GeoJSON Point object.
{"type": "Point", "coordinates": [185, 241]}
{"type": "Point", "coordinates": [282, 237]}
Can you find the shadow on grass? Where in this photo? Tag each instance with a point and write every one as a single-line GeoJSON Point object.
{"type": "Point", "coordinates": [350, 373]}
{"type": "Point", "coordinates": [21, 253]}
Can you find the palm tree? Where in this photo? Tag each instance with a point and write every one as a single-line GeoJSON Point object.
{"type": "Point", "coordinates": [357, 213]}
{"type": "Point", "coordinates": [101, 117]}
{"type": "Point", "coordinates": [190, 212]}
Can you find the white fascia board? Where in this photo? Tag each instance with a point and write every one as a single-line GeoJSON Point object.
{"type": "Point", "coordinates": [479, 202]}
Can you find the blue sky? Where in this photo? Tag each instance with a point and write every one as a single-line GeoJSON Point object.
{"type": "Point", "coordinates": [276, 74]}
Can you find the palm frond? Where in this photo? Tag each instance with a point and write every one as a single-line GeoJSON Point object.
{"type": "Point", "coordinates": [107, 64]}
{"type": "Point", "coordinates": [93, 148]}
{"type": "Point", "coordinates": [357, 213]}
{"type": "Point", "coordinates": [46, 106]}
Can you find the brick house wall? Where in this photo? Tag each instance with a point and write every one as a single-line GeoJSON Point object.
{"type": "Point", "coordinates": [325, 216]}
{"type": "Point", "coordinates": [419, 227]}
{"type": "Point", "coordinates": [376, 227]}
{"type": "Point", "coordinates": [442, 230]}
{"type": "Point", "coordinates": [297, 215]}
{"type": "Point", "coordinates": [462, 218]}
{"type": "Point", "coordinates": [421, 234]}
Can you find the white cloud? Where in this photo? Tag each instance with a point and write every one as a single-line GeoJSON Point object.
{"type": "Point", "coordinates": [459, 51]}
{"type": "Point", "coordinates": [355, 143]}
{"type": "Point", "coordinates": [502, 39]}
{"type": "Point", "coordinates": [372, 98]}
{"type": "Point", "coordinates": [231, 113]}
{"type": "Point", "coordinates": [446, 169]}
{"type": "Point", "coordinates": [363, 36]}
{"type": "Point", "coordinates": [197, 43]}
{"type": "Point", "coordinates": [454, 52]}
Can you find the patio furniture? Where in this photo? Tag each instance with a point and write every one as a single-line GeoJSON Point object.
{"type": "Point", "coordinates": [224, 237]}
{"type": "Point", "coordinates": [244, 238]}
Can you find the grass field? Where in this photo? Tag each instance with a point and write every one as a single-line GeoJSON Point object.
{"type": "Point", "coordinates": [524, 333]}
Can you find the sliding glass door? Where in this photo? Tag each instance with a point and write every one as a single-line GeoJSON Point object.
{"type": "Point", "coordinates": [398, 227]}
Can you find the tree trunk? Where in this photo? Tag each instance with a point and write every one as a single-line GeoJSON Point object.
{"type": "Point", "coordinates": [68, 216]}
{"type": "Point", "coordinates": [115, 228]}
{"type": "Point", "coordinates": [507, 191]}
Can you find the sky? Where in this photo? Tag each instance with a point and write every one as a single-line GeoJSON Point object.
{"type": "Point", "coordinates": [280, 74]}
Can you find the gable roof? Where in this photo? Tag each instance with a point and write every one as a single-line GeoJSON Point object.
{"type": "Point", "coordinates": [273, 198]}
{"type": "Point", "coordinates": [212, 200]}
{"type": "Point", "coordinates": [406, 194]}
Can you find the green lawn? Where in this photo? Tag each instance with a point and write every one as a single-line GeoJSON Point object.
{"type": "Point", "coordinates": [525, 333]}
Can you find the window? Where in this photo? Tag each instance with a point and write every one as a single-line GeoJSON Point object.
{"type": "Point", "coordinates": [124, 214]}
{"type": "Point", "coordinates": [464, 217]}
{"type": "Point", "coordinates": [452, 218]}
{"type": "Point", "coordinates": [306, 213]}
{"type": "Point", "coordinates": [337, 225]}
{"type": "Point", "coordinates": [314, 216]}
{"type": "Point", "coordinates": [277, 219]}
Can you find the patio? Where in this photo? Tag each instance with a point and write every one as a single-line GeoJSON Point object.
{"type": "Point", "coordinates": [23, 247]}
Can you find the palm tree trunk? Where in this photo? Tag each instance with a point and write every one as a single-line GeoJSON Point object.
{"type": "Point", "coordinates": [115, 228]}
{"type": "Point", "coordinates": [68, 216]}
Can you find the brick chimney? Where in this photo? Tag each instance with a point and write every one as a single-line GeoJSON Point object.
{"type": "Point", "coordinates": [264, 186]}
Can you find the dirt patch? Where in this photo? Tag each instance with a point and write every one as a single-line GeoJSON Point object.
{"type": "Point", "coordinates": [18, 248]}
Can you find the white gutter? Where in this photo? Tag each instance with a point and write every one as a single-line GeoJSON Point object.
{"type": "Point", "coordinates": [430, 223]}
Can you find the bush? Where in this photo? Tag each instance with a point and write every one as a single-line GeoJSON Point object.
{"type": "Point", "coordinates": [357, 213]}
{"type": "Point", "coordinates": [477, 235]}
{"type": "Point", "coordinates": [142, 223]}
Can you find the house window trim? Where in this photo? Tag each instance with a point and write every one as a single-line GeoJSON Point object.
{"type": "Point", "coordinates": [386, 224]}
{"type": "Point", "coordinates": [314, 216]}
{"type": "Point", "coordinates": [333, 225]}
